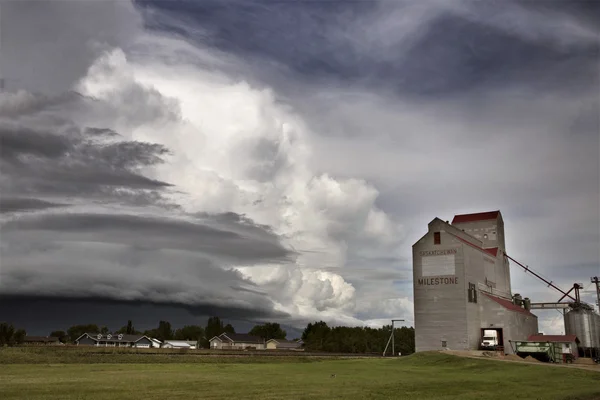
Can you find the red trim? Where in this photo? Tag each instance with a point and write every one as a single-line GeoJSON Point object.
{"type": "Point", "coordinates": [491, 251]}
{"type": "Point", "coordinates": [483, 216]}
{"type": "Point", "coordinates": [509, 305]}
{"type": "Point", "coordinates": [552, 338]}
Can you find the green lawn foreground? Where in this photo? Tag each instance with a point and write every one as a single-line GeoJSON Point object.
{"type": "Point", "coordinates": [421, 376]}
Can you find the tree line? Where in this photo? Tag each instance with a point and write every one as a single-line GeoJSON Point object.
{"type": "Point", "coordinates": [317, 336]}
{"type": "Point", "coordinates": [9, 336]}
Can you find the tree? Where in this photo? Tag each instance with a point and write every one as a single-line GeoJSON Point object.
{"type": "Point", "coordinates": [7, 332]}
{"type": "Point", "coordinates": [164, 331]}
{"type": "Point", "coordinates": [19, 336]}
{"type": "Point", "coordinates": [129, 329]}
{"type": "Point", "coordinates": [9, 336]}
{"type": "Point", "coordinates": [268, 331]}
{"type": "Point", "coordinates": [153, 333]}
{"type": "Point", "coordinates": [215, 327]}
{"type": "Point", "coordinates": [315, 335]}
{"type": "Point", "coordinates": [77, 330]}
{"type": "Point", "coordinates": [318, 336]}
{"type": "Point", "coordinates": [104, 330]}
{"type": "Point", "coordinates": [228, 329]}
{"type": "Point", "coordinates": [190, 332]}
{"type": "Point", "coordinates": [61, 335]}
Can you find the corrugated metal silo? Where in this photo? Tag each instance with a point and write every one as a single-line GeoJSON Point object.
{"type": "Point", "coordinates": [585, 324]}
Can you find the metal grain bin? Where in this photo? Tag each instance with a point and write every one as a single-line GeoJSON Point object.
{"type": "Point", "coordinates": [585, 324]}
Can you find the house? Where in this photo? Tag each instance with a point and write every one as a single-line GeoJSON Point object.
{"type": "Point", "coordinates": [41, 340]}
{"type": "Point", "coordinates": [236, 341]}
{"type": "Point", "coordinates": [179, 344]}
{"type": "Point", "coordinates": [117, 340]}
{"type": "Point", "coordinates": [282, 344]}
{"type": "Point", "coordinates": [156, 343]}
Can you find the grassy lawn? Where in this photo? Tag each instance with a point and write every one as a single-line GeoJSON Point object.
{"type": "Point", "coordinates": [421, 376]}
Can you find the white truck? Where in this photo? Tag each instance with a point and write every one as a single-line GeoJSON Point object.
{"type": "Point", "coordinates": [490, 339]}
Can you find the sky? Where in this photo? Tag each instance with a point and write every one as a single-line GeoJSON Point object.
{"type": "Point", "coordinates": [276, 160]}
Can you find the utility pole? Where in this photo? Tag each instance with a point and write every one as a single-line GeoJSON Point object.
{"type": "Point", "coordinates": [391, 338]}
{"type": "Point", "coordinates": [596, 280]}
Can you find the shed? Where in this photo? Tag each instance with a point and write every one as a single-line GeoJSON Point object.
{"type": "Point", "coordinates": [553, 348]}
{"type": "Point", "coordinates": [568, 344]}
{"type": "Point", "coordinates": [282, 344]}
{"type": "Point", "coordinates": [177, 344]}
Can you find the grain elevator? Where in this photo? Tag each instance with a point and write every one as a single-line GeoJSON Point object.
{"type": "Point", "coordinates": [461, 282]}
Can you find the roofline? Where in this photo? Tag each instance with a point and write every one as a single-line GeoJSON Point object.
{"type": "Point", "coordinates": [461, 231]}
{"type": "Point", "coordinates": [116, 340]}
{"type": "Point", "coordinates": [225, 334]}
{"type": "Point", "coordinates": [522, 310]}
{"type": "Point", "coordinates": [258, 340]}
{"type": "Point", "coordinates": [85, 334]}
{"type": "Point", "coordinates": [447, 224]}
{"type": "Point", "coordinates": [481, 249]}
{"type": "Point", "coordinates": [498, 215]}
{"type": "Point", "coordinates": [215, 337]}
{"type": "Point", "coordinates": [143, 336]}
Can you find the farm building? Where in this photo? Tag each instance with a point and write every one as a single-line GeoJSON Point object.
{"type": "Point", "coordinates": [236, 341]}
{"type": "Point", "coordinates": [461, 281]}
{"type": "Point", "coordinates": [116, 340]}
{"type": "Point", "coordinates": [554, 348]}
{"type": "Point", "coordinates": [281, 344]}
{"type": "Point", "coordinates": [41, 340]}
{"type": "Point", "coordinates": [179, 344]}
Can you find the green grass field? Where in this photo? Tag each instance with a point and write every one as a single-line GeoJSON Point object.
{"type": "Point", "coordinates": [71, 374]}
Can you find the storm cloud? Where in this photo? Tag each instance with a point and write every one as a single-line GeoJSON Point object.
{"type": "Point", "coordinates": [279, 159]}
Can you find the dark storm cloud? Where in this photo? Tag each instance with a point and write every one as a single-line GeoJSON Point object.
{"type": "Point", "coordinates": [13, 204]}
{"type": "Point", "coordinates": [100, 132]}
{"type": "Point", "coordinates": [43, 314]}
{"type": "Point", "coordinates": [58, 161]}
{"type": "Point", "coordinates": [253, 244]}
{"type": "Point", "coordinates": [79, 267]}
{"type": "Point", "coordinates": [56, 165]}
{"type": "Point", "coordinates": [239, 222]}
{"type": "Point", "coordinates": [15, 141]}
{"type": "Point", "coordinates": [425, 49]}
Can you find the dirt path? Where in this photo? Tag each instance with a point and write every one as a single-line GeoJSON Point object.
{"type": "Point", "coordinates": [480, 355]}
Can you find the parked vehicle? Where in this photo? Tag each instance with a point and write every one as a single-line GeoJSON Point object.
{"type": "Point", "coordinates": [490, 339]}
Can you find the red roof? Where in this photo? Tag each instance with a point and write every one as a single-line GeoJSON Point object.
{"type": "Point", "coordinates": [552, 338]}
{"type": "Point", "coordinates": [484, 216]}
{"type": "Point", "coordinates": [509, 305]}
{"type": "Point", "coordinates": [492, 250]}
